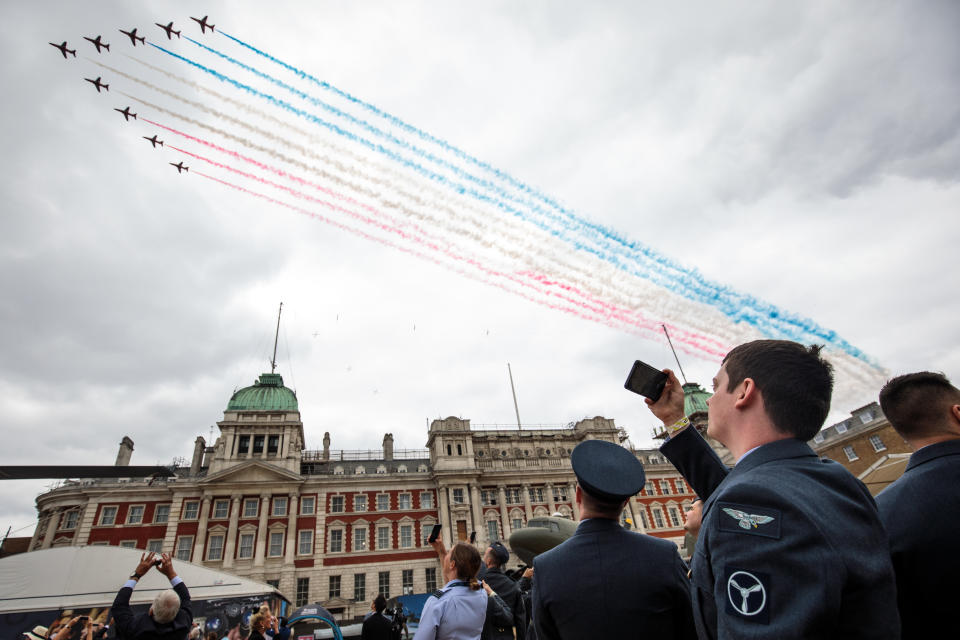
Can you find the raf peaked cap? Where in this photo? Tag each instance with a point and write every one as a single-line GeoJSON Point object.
{"type": "Point", "coordinates": [607, 471]}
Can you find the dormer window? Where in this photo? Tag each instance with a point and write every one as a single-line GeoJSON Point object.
{"type": "Point", "coordinates": [338, 471]}
{"type": "Point", "coordinates": [359, 471]}
{"type": "Point", "coordinates": [381, 469]}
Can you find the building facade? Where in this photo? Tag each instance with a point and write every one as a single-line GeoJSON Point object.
{"type": "Point", "coordinates": [338, 527]}
{"type": "Point", "coordinates": [861, 442]}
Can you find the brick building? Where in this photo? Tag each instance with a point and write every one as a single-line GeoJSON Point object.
{"type": "Point", "coordinates": [862, 442]}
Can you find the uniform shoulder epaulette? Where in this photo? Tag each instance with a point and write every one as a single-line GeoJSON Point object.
{"type": "Point", "coordinates": [438, 593]}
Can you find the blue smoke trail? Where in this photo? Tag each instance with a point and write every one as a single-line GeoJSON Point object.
{"type": "Point", "coordinates": [738, 307]}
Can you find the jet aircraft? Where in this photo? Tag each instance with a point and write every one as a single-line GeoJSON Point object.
{"type": "Point", "coordinates": [168, 29]}
{"type": "Point", "coordinates": [99, 85]}
{"type": "Point", "coordinates": [155, 142]}
{"type": "Point", "coordinates": [126, 113]}
{"type": "Point", "coordinates": [63, 49]}
{"type": "Point", "coordinates": [98, 44]}
{"type": "Point", "coordinates": [180, 167]}
{"type": "Point", "coordinates": [134, 37]}
{"type": "Point", "coordinates": [204, 25]}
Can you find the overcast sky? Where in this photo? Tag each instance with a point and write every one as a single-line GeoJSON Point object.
{"type": "Point", "coordinates": [806, 154]}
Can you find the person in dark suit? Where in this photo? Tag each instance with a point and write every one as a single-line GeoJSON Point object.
{"type": "Point", "coordinates": [375, 625]}
{"type": "Point", "coordinates": [605, 581]}
{"type": "Point", "coordinates": [494, 558]}
{"type": "Point", "coordinates": [169, 617]}
{"type": "Point", "coordinates": [921, 510]}
{"type": "Point", "coordinates": [790, 546]}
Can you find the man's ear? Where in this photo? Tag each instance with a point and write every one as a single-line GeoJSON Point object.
{"type": "Point", "coordinates": [747, 393]}
{"type": "Point", "coordinates": [955, 412]}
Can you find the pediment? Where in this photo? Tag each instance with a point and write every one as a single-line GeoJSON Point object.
{"type": "Point", "coordinates": [252, 472]}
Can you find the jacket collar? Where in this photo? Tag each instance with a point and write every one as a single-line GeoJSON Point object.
{"type": "Point", "coordinates": [933, 451]}
{"type": "Point", "coordinates": [592, 525]}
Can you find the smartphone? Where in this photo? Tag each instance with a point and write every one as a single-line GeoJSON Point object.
{"type": "Point", "coordinates": [645, 380]}
{"type": "Point", "coordinates": [473, 537]}
{"type": "Point", "coordinates": [435, 533]}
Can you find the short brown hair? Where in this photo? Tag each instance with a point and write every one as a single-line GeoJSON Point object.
{"type": "Point", "coordinates": [466, 558]}
{"type": "Point", "coordinates": [916, 404]}
{"type": "Point", "coordinates": [795, 382]}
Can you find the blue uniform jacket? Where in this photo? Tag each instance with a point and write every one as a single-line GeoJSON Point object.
{"type": "Point", "coordinates": [921, 512]}
{"type": "Point", "coordinates": [791, 546]}
{"type": "Point", "coordinates": [607, 582]}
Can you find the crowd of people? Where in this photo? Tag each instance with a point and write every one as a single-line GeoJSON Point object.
{"type": "Point", "coordinates": [786, 544]}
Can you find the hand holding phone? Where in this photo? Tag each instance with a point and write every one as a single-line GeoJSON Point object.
{"type": "Point", "coordinates": [435, 533]}
{"type": "Point", "coordinates": [646, 381]}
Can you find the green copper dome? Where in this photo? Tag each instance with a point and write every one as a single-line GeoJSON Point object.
{"type": "Point", "coordinates": [266, 394]}
{"type": "Point", "coordinates": [694, 399]}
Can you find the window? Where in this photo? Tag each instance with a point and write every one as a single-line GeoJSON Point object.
{"type": "Point", "coordinates": [70, 519]}
{"type": "Point", "coordinates": [383, 583]}
{"type": "Point", "coordinates": [492, 533]}
{"type": "Point", "coordinates": [866, 416]}
{"type": "Point", "coordinates": [246, 545]}
{"type": "Point", "coordinates": [851, 454]}
{"type": "Point", "coordinates": [360, 502]}
{"type": "Point", "coordinates": [279, 507]}
{"type": "Point", "coordinates": [191, 510]}
{"type": "Point", "coordinates": [842, 427]}
{"type": "Point", "coordinates": [426, 500]}
{"type": "Point", "coordinates": [422, 468]}
{"type": "Point", "coordinates": [425, 530]}
{"type": "Point", "coordinates": [336, 541]}
{"type": "Point", "coordinates": [877, 443]}
{"type": "Point", "coordinates": [135, 514]}
{"type": "Point", "coordinates": [458, 496]}
{"type": "Point", "coordinates": [649, 490]}
{"type": "Point", "coordinates": [273, 445]}
{"type": "Point", "coordinates": [128, 544]}
{"type": "Point", "coordinates": [674, 516]}
{"type": "Point", "coordinates": [250, 508]}
{"type": "Point", "coordinates": [359, 471]}
{"type": "Point", "coordinates": [559, 494]}
{"type": "Point", "coordinates": [681, 485]}
{"type": "Point", "coordinates": [657, 519]}
{"type": "Point", "coordinates": [665, 487]}
{"type": "Point", "coordinates": [402, 468]}
{"type": "Point", "coordinates": [161, 514]}
{"type": "Point", "coordinates": [643, 519]}
{"type": "Point", "coordinates": [655, 459]}
{"type": "Point", "coordinates": [406, 581]}
{"type": "Point", "coordinates": [406, 536]}
{"type": "Point", "coordinates": [274, 583]}
{"type": "Point", "coordinates": [383, 502]}
{"type": "Point", "coordinates": [334, 590]}
{"type": "Point", "coordinates": [305, 547]}
{"type": "Point", "coordinates": [359, 587]}
{"type": "Point", "coordinates": [383, 537]}
{"type": "Point", "coordinates": [431, 577]}
{"type": "Point", "coordinates": [303, 591]}
{"type": "Point", "coordinates": [449, 451]}
{"type": "Point", "coordinates": [536, 494]}
{"type": "Point", "coordinates": [336, 504]}
{"type": "Point", "coordinates": [459, 450]}
{"type": "Point", "coordinates": [108, 515]}
{"type": "Point", "coordinates": [818, 438]}
{"type": "Point", "coordinates": [513, 496]}
{"type": "Point", "coordinates": [381, 469]}
{"type": "Point", "coordinates": [221, 508]}
{"type": "Point", "coordinates": [243, 444]}
{"type": "Point", "coordinates": [258, 444]}
{"type": "Point", "coordinates": [403, 501]}
{"type": "Point", "coordinates": [308, 506]}
{"type": "Point", "coordinates": [488, 498]}
{"type": "Point", "coordinates": [155, 545]}
{"type": "Point", "coordinates": [338, 470]}
{"type": "Point", "coordinates": [215, 548]}
{"type": "Point", "coordinates": [276, 544]}
{"type": "Point", "coordinates": [516, 523]}
{"type": "Point", "coordinates": [184, 547]}
{"type": "Point", "coordinates": [360, 538]}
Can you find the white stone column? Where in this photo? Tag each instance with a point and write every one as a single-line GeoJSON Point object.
{"type": "Point", "coordinates": [444, 513]}
{"type": "Point", "coordinates": [262, 530]}
{"type": "Point", "coordinates": [291, 528]}
{"type": "Point", "coordinates": [170, 537]}
{"type": "Point", "coordinates": [550, 502]}
{"type": "Point", "coordinates": [51, 530]}
{"type": "Point", "coordinates": [201, 539]}
{"type": "Point", "coordinates": [85, 523]}
{"type": "Point", "coordinates": [504, 516]}
{"type": "Point", "coordinates": [525, 488]}
{"type": "Point", "coordinates": [635, 510]}
{"type": "Point", "coordinates": [230, 544]}
{"type": "Point", "coordinates": [477, 510]}
{"type": "Point", "coordinates": [572, 488]}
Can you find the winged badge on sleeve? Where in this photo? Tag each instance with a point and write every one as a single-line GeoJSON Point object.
{"type": "Point", "coordinates": [747, 520]}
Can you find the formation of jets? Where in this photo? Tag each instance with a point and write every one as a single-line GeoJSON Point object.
{"type": "Point", "coordinates": [180, 167]}
{"type": "Point", "coordinates": [168, 29]}
{"type": "Point", "coordinates": [98, 44]}
{"type": "Point", "coordinates": [204, 25]}
{"type": "Point", "coordinates": [126, 113]}
{"type": "Point", "coordinates": [63, 49]}
{"type": "Point", "coordinates": [134, 37]}
{"type": "Point", "coordinates": [99, 85]}
{"type": "Point", "coordinates": [154, 142]}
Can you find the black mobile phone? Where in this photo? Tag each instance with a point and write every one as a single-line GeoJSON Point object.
{"type": "Point", "coordinates": [435, 533]}
{"type": "Point", "coordinates": [645, 380]}
{"type": "Point", "coordinates": [158, 563]}
{"type": "Point", "coordinates": [473, 537]}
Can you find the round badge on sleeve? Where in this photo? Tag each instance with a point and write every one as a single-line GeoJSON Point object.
{"type": "Point", "coordinates": [748, 594]}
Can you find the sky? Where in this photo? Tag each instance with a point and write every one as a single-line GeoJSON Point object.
{"type": "Point", "coordinates": [803, 156]}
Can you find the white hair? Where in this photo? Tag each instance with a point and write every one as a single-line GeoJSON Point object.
{"type": "Point", "coordinates": [165, 606]}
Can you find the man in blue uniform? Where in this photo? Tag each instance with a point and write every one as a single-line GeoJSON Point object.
{"type": "Point", "coordinates": [791, 546]}
{"type": "Point", "coordinates": [605, 581]}
{"type": "Point", "coordinates": [921, 510]}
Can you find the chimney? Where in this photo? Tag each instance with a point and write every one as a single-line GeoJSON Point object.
{"type": "Point", "coordinates": [126, 450]}
{"type": "Point", "coordinates": [388, 446]}
{"type": "Point", "coordinates": [326, 445]}
{"type": "Point", "coordinates": [198, 449]}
